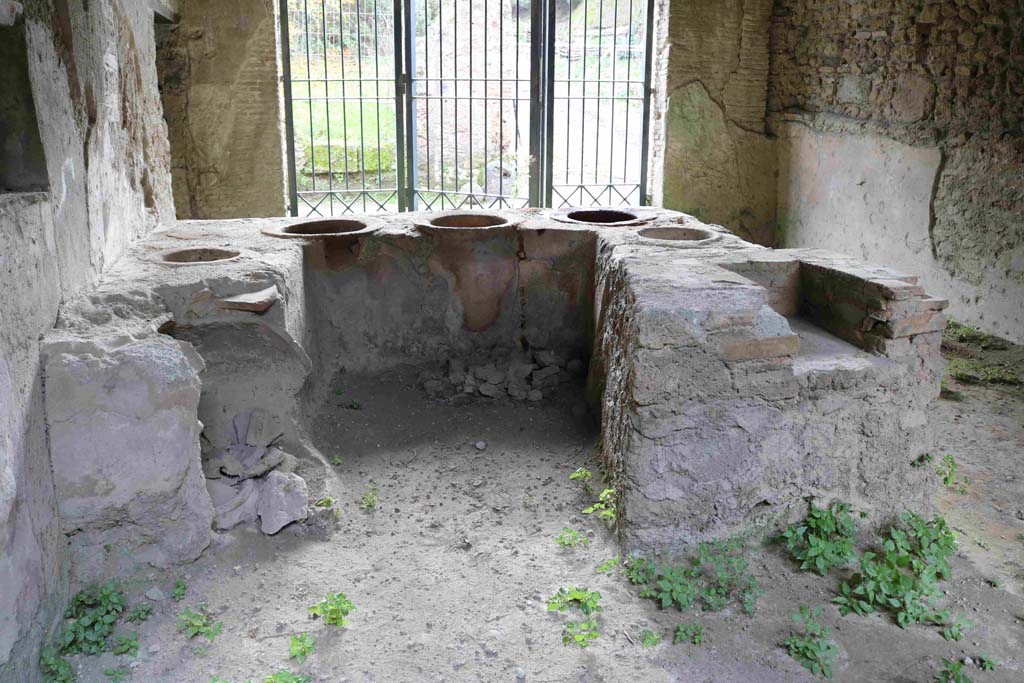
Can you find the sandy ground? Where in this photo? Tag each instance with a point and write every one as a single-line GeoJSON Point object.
{"type": "Point", "coordinates": [452, 570]}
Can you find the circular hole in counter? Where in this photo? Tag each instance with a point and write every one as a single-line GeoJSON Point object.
{"type": "Point", "coordinates": [333, 226]}
{"type": "Point", "coordinates": [468, 220]}
{"type": "Point", "coordinates": [674, 234]}
{"type": "Point", "coordinates": [601, 216]}
{"type": "Point", "coordinates": [200, 255]}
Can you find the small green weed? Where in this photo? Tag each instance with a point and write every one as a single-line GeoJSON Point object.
{"type": "Point", "coordinates": [337, 461]}
{"type": "Point", "coordinates": [334, 609]}
{"type": "Point", "coordinates": [947, 472]}
{"type": "Point", "coordinates": [582, 476]}
{"type": "Point", "coordinates": [605, 507]}
{"type": "Point", "coordinates": [140, 613]}
{"type": "Point", "coordinates": [987, 663]}
{"type": "Point", "coordinates": [92, 615]}
{"type": "Point", "coordinates": [354, 405]}
{"type": "Point", "coordinates": [55, 669]}
{"type": "Point", "coordinates": [579, 633]}
{"type": "Point", "coordinates": [609, 566]}
{"type": "Point", "coordinates": [126, 645]}
{"type": "Point", "coordinates": [649, 639]}
{"type": "Point", "coordinates": [324, 503]}
{"type": "Point", "coordinates": [571, 538]}
{"type": "Point", "coordinates": [922, 460]}
{"type": "Point", "coordinates": [370, 496]}
{"type": "Point", "coordinates": [688, 633]}
{"type": "Point", "coordinates": [118, 674]}
{"type": "Point", "coordinates": [814, 650]}
{"type": "Point", "coordinates": [180, 589]}
{"type": "Point", "coordinates": [952, 672]}
{"type": "Point", "coordinates": [902, 579]}
{"type": "Point", "coordinates": [585, 600]}
{"type": "Point", "coordinates": [285, 676]}
{"type": "Point", "coordinates": [824, 539]}
{"type": "Point", "coordinates": [197, 622]}
{"type": "Point", "coordinates": [955, 631]}
{"type": "Point", "coordinates": [718, 575]}
{"type": "Point", "coordinates": [301, 646]}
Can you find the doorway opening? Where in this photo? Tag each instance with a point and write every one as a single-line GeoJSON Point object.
{"type": "Point", "coordinates": [456, 104]}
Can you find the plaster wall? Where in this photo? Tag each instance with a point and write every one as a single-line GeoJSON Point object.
{"type": "Point", "coordinates": [719, 163]}
{"type": "Point", "coordinates": [93, 81]}
{"type": "Point", "coordinates": [219, 85]}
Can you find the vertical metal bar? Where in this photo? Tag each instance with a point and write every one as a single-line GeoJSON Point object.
{"type": "Point", "coordinates": [344, 88]}
{"type": "Point", "coordinates": [426, 82]}
{"type": "Point", "coordinates": [549, 99]}
{"type": "Point", "coordinates": [440, 87]}
{"type": "Point", "coordinates": [629, 88]}
{"type": "Point", "coordinates": [376, 86]}
{"type": "Point", "coordinates": [309, 95]}
{"type": "Point", "coordinates": [568, 89]}
{"type": "Point", "coordinates": [400, 23]}
{"type": "Point", "coordinates": [583, 84]}
{"type": "Point", "coordinates": [327, 112]}
{"type": "Point", "coordinates": [501, 99]}
{"type": "Point", "coordinates": [487, 92]}
{"type": "Point", "coordinates": [472, 87]}
{"type": "Point", "coordinates": [455, 84]}
{"type": "Point", "coordinates": [537, 13]}
{"type": "Point", "coordinates": [289, 117]}
{"type": "Point", "coordinates": [408, 185]}
{"type": "Point", "coordinates": [599, 102]}
{"type": "Point", "coordinates": [362, 123]}
{"type": "Point", "coordinates": [646, 124]}
{"type": "Point", "coordinates": [614, 98]}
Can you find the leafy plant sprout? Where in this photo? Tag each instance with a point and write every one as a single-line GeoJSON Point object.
{"type": "Point", "coordinates": [334, 609]}
{"type": "Point", "coordinates": [814, 650]}
{"type": "Point", "coordinates": [571, 538]}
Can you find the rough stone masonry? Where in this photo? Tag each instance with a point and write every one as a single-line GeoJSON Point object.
{"type": "Point", "coordinates": [733, 381]}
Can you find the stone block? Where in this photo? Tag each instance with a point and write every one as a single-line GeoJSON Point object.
{"type": "Point", "coordinates": [124, 445]}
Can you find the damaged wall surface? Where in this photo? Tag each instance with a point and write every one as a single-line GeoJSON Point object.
{"type": "Point", "coordinates": [93, 81]}
{"type": "Point", "coordinates": [719, 163]}
{"type": "Point", "coordinates": [889, 130]}
{"type": "Point", "coordinates": [219, 84]}
{"type": "Point", "coordinates": [901, 140]}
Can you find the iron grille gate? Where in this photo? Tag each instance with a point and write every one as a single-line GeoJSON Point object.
{"type": "Point", "coordinates": [439, 104]}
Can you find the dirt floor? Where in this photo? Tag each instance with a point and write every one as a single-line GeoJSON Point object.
{"type": "Point", "coordinates": [451, 571]}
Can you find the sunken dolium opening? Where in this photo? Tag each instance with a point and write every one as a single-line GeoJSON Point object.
{"type": "Point", "coordinates": [468, 220]}
{"type": "Point", "coordinates": [200, 255]}
{"type": "Point", "coordinates": [675, 234]}
{"type": "Point", "coordinates": [603, 216]}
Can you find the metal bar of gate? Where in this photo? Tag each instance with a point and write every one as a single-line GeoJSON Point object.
{"type": "Point", "coordinates": [405, 168]}
{"type": "Point", "coordinates": [597, 161]}
{"type": "Point", "coordinates": [646, 128]}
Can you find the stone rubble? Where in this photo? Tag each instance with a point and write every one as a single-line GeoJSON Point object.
{"type": "Point", "coordinates": [519, 376]}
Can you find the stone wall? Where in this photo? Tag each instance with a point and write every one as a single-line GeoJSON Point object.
{"type": "Point", "coordinates": [901, 140]}
{"type": "Point", "coordinates": [93, 81]}
{"type": "Point", "coordinates": [219, 85]}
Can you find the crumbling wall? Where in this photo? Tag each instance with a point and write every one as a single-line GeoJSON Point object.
{"type": "Point", "coordinates": [219, 84]}
{"type": "Point", "coordinates": [93, 81]}
{"type": "Point", "coordinates": [719, 163]}
{"type": "Point", "coordinates": [900, 141]}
